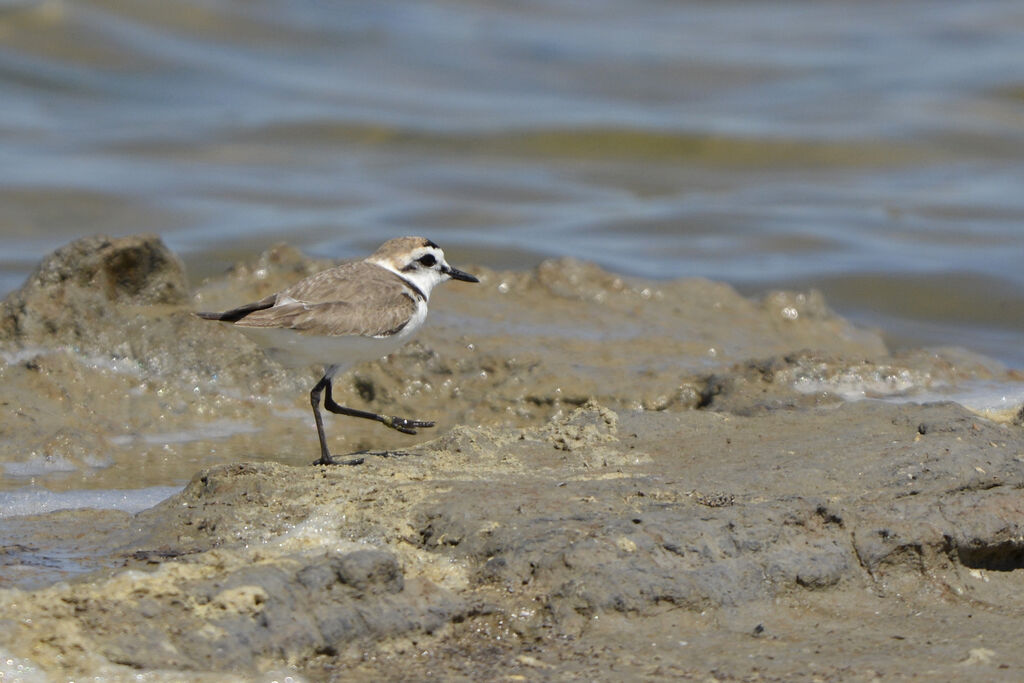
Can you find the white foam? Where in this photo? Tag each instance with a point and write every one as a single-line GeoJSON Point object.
{"type": "Point", "coordinates": [855, 384]}
{"type": "Point", "coordinates": [319, 530]}
{"type": "Point", "coordinates": [37, 501]}
{"type": "Point", "coordinates": [41, 465]}
{"type": "Point", "coordinates": [21, 670]}
{"type": "Point", "coordinates": [38, 466]}
{"type": "Point", "coordinates": [120, 366]}
{"type": "Point", "coordinates": [215, 429]}
{"type": "Point", "coordinates": [996, 400]}
{"type": "Point", "coordinates": [23, 355]}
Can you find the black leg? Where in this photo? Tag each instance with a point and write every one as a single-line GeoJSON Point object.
{"type": "Point", "coordinates": [314, 400]}
{"type": "Point", "coordinates": [400, 424]}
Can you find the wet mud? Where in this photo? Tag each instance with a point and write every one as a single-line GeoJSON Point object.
{"type": "Point", "coordinates": [628, 479]}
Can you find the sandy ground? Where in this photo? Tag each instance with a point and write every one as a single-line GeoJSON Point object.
{"type": "Point", "coordinates": [628, 479]}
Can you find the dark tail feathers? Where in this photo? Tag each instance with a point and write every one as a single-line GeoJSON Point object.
{"type": "Point", "coordinates": [236, 314]}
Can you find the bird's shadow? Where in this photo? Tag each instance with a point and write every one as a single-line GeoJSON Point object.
{"type": "Point", "coordinates": [387, 454]}
{"type": "Point", "coordinates": [359, 457]}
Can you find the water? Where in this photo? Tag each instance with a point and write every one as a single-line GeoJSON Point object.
{"type": "Point", "coordinates": [872, 150]}
{"type": "Point", "coordinates": [37, 501]}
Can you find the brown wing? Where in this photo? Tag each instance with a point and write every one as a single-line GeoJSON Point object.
{"type": "Point", "coordinates": [353, 299]}
{"type": "Point", "coordinates": [333, 319]}
{"type": "Point", "coordinates": [357, 281]}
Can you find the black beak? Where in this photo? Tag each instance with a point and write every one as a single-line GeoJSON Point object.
{"type": "Point", "coordinates": [456, 274]}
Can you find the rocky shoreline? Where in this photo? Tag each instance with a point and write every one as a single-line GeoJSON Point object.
{"type": "Point", "coordinates": [629, 479]}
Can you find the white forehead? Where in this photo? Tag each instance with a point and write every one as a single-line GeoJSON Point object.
{"type": "Point", "coordinates": [398, 259]}
{"type": "Point", "coordinates": [419, 252]}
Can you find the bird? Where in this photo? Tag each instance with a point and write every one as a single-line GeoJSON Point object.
{"type": "Point", "coordinates": [357, 311]}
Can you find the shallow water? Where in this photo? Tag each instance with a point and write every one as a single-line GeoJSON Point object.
{"type": "Point", "coordinates": [868, 149]}
{"type": "Point", "coordinates": [37, 501]}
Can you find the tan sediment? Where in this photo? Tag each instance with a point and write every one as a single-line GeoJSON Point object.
{"type": "Point", "coordinates": [603, 498]}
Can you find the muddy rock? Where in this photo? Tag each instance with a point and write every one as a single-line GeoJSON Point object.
{"type": "Point", "coordinates": [111, 370]}
{"type": "Point", "coordinates": [628, 479]}
{"type": "Point", "coordinates": [257, 565]}
{"type": "Point", "coordinates": [122, 300]}
{"type": "Point", "coordinates": [222, 612]}
{"type": "Point", "coordinates": [72, 291]}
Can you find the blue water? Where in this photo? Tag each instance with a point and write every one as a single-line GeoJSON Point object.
{"type": "Point", "coordinates": [872, 150]}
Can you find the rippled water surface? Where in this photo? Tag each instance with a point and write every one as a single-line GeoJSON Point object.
{"type": "Point", "coordinates": [872, 150]}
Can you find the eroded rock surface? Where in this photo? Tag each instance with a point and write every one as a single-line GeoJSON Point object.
{"type": "Point", "coordinates": [629, 479]}
{"type": "Point", "coordinates": [257, 565]}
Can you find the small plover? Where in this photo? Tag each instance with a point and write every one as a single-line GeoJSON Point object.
{"type": "Point", "coordinates": [358, 311]}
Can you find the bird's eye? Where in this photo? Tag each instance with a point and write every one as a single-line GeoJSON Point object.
{"type": "Point", "coordinates": [428, 260]}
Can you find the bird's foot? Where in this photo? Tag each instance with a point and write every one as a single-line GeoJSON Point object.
{"type": "Point", "coordinates": [331, 460]}
{"type": "Point", "coordinates": [405, 425]}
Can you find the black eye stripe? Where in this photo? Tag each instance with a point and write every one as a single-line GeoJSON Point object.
{"type": "Point", "coordinates": [428, 260]}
